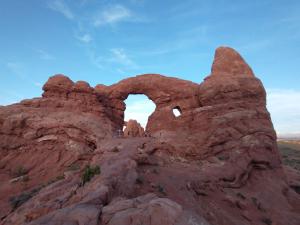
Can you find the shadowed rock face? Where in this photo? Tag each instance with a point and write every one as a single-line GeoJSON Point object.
{"type": "Point", "coordinates": [217, 163]}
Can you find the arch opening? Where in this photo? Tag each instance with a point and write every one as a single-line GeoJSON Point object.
{"type": "Point", "coordinates": [176, 111]}
{"type": "Point", "coordinates": [138, 107]}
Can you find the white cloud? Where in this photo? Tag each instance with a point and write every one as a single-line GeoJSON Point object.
{"type": "Point", "coordinates": [139, 110]}
{"type": "Point", "coordinates": [45, 55]}
{"type": "Point", "coordinates": [115, 59]}
{"type": "Point", "coordinates": [284, 106]}
{"type": "Point", "coordinates": [61, 7]}
{"type": "Point", "coordinates": [111, 15]}
{"type": "Point", "coordinates": [86, 38]}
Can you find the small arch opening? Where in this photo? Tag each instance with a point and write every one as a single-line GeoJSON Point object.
{"type": "Point", "coordinates": [176, 111]}
{"type": "Point", "coordinates": [138, 107]}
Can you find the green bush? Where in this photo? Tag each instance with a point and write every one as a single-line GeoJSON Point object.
{"type": "Point", "coordinates": [88, 173]}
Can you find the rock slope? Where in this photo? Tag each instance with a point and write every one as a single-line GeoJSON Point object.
{"type": "Point", "coordinates": [62, 160]}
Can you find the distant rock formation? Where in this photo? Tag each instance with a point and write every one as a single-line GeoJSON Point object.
{"type": "Point", "coordinates": [133, 129]}
{"type": "Point", "coordinates": [217, 163]}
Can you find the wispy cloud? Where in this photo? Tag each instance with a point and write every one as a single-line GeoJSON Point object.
{"type": "Point", "coordinates": [115, 58]}
{"type": "Point", "coordinates": [85, 38]}
{"type": "Point", "coordinates": [111, 15]}
{"type": "Point", "coordinates": [45, 55]}
{"type": "Point", "coordinates": [61, 7]}
{"type": "Point", "coordinates": [96, 60]}
{"type": "Point", "coordinates": [285, 110]}
{"type": "Point", "coordinates": [119, 56]}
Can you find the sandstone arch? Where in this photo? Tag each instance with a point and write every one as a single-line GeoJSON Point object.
{"type": "Point", "coordinates": [209, 110]}
{"type": "Point", "coordinates": [165, 92]}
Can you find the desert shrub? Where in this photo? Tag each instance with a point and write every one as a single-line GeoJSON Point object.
{"type": "Point", "coordinates": [19, 171]}
{"type": "Point", "coordinates": [88, 173]}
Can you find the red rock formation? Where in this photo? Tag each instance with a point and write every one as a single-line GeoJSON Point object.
{"type": "Point", "coordinates": [133, 129]}
{"type": "Point", "coordinates": [215, 164]}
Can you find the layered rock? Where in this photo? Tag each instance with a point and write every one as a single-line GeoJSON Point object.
{"type": "Point", "coordinates": [217, 163]}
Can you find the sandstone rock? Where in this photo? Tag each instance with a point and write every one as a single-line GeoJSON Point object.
{"type": "Point", "coordinates": [82, 86]}
{"type": "Point", "coordinates": [228, 62]}
{"type": "Point", "coordinates": [133, 129]}
{"type": "Point", "coordinates": [217, 163]}
{"type": "Point", "coordinates": [58, 84]}
{"type": "Point", "coordinates": [74, 215]}
{"type": "Point", "coordinates": [147, 210]}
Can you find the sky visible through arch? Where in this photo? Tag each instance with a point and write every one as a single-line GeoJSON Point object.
{"type": "Point", "coordinates": [104, 41]}
{"type": "Point", "coordinates": [139, 107]}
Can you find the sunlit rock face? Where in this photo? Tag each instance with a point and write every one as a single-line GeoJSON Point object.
{"type": "Point", "coordinates": [215, 162]}
{"type": "Point", "coordinates": [133, 129]}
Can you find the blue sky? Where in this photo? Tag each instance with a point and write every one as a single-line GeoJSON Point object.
{"type": "Point", "coordinates": [106, 41]}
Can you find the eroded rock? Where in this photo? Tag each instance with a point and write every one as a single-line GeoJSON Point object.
{"type": "Point", "coordinates": [217, 163]}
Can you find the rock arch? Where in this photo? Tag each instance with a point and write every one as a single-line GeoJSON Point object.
{"type": "Point", "coordinates": [231, 87]}
{"type": "Point", "coordinates": [165, 92]}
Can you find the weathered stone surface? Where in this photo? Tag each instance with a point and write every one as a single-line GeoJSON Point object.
{"type": "Point", "coordinates": [147, 210]}
{"type": "Point", "coordinates": [215, 164]}
{"type": "Point", "coordinates": [81, 214]}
